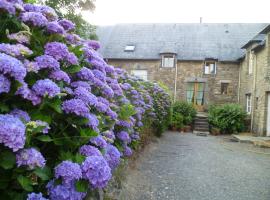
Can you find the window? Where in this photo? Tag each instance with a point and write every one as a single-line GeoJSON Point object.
{"type": "Point", "coordinates": [210, 67]}
{"type": "Point", "coordinates": [250, 63]}
{"type": "Point", "coordinates": [248, 103]}
{"type": "Point", "coordinates": [142, 74]}
{"type": "Point", "coordinates": [130, 48]}
{"type": "Point", "coordinates": [168, 61]}
{"type": "Point", "coordinates": [224, 88]}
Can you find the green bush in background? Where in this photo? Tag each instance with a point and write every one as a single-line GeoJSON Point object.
{"type": "Point", "coordinates": [229, 118]}
{"type": "Point", "coordinates": [187, 111]}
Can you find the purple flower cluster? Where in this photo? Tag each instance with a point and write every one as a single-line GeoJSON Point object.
{"type": "Point", "coordinates": [4, 84]}
{"type": "Point", "coordinates": [34, 196]}
{"type": "Point", "coordinates": [96, 170]}
{"type": "Point", "coordinates": [46, 87]}
{"type": "Point", "coordinates": [20, 37]}
{"type": "Point", "coordinates": [60, 75]}
{"type": "Point", "coordinates": [55, 27]}
{"type": "Point", "coordinates": [87, 97]}
{"type": "Point", "coordinates": [8, 7]}
{"type": "Point", "coordinates": [47, 62]}
{"type": "Point", "coordinates": [30, 158]}
{"type": "Point", "coordinates": [34, 18]}
{"type": "Point", "coordinates": [123, 136]}
{"type": "Point", "coordinates": [20, 114]}
{"type": "Point", "coordinates": [68, 171]}
{"type": "Point", "coordinates": [12, 132]}
{"type": "Point", "coordinates": [88, 150]}
{"type": "Point", "coordinates": [112, 156]}
{"type": "Point", "coordinates": [16, 50]}
{"type": "Point", "coordinates": [66, 24]}
{"type": "Point", "coordinates": [98, 141]}
{"type": "Point", "coordinates": [75, 106]}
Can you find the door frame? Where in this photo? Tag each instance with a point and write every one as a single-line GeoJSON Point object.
{"type": "Point", "coordinates": [196, 86]}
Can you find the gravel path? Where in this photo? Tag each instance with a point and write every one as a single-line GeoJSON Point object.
{"type": "Point", "coordinates": [190, 167]}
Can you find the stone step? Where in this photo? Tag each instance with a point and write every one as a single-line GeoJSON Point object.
{"type": "Point", "coordinates": [202, 127]}
{"type": "Point", "coordinates": [201, 123]}
{"type": "Point", "coordinates": [201, 120]}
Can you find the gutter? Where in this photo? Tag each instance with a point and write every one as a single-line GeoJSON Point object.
{"type": "Point", "coordinates": [175, 81]}
{"type": "Point", "coordinates": [253, 97]}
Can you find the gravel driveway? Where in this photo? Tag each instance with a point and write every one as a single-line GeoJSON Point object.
{"type": "Point", "coordinates": [190, 167]}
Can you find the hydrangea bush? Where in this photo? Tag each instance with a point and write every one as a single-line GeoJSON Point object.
{"type": "Point", "coordinates": [67, 117]}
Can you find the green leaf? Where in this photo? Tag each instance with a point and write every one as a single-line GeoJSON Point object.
{"type": "Point", "coordinates": [43, 173]}
{"type": "Point", "coordinates": [127, 111]}
{"type": "Point", "coordinates": [73, 69]}
{"type": "Point", "coordinates": [7, 159]}
{"type": "Point", "coordinates": [41, 116]}
{"type": "Point", "coordinates": [56, 105]}
{"type": "Point", "coordinates": [88, 132]}
{"type": "Point", "coordinates": [82, 186]}
{"type": "Point", "coordinates": [45, 138]}
{"type": "Point", "coordinates": [3, 107]}
{"type": "Point", "coordinates": [79, 158]}
{"type": "Point", "coordinates": [65, 155]}
{"type": "Point", "coordinates": [25, 183]}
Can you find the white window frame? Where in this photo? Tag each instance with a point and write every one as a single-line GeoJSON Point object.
{"type": "Point", "coordinates": [210, 67]}
{"type": "Point", "coordinates": [250, 62]}
{"type": "Point", "coordinates": [168, 61]}
{"type": "Point", "coordinates": [248, 103]}
{"type": "Point", "coordinates": [138, 73]}
{"type": "Point", "coordinates": [129, 48]}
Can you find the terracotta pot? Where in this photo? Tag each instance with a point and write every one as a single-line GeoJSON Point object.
{"type": "Point", "coordinates": [187, 128]}
{"type": "Point", "coordinates": [215, 131]}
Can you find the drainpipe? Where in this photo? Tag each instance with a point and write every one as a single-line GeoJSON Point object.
{"type": "Point", "coordinates": [253, 97]}
{"type": "Point", "coordinates": [239, 83]}
{"type": "Point", "coordinates": [175, 80]}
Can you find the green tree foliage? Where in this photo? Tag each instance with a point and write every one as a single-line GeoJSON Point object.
{"type": "Point", "coordinates": [186, 110]}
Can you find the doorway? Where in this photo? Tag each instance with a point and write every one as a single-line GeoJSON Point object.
{"type": "Point", "coordinates": [195, 94]}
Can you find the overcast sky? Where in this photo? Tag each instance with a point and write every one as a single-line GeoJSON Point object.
{"type": "Point", "coordinates": [109, 12]}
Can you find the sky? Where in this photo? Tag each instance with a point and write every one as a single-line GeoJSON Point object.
{"type": "Point", "coordinates": [110, 12]}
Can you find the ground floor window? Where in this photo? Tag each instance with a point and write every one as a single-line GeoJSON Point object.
{"type": "Point", "coordinates": [224, 88]}
{"type": "Point", "coordinates": [142, 74]}
{"type": "Point", "coordinates": [248, 103]}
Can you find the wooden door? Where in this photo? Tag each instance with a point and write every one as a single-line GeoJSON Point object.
{"type": "Point", "coordinates": [195, 95]}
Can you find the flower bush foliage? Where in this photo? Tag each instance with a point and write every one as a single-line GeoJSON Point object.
{"type": "Point", "coordinates": [67, 117]}
{"type": "Point", "coordinates": [229, 118]}
{"type": "Point", "coordinates": [185, 109]}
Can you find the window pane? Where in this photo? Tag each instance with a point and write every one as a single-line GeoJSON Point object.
{"type": "Point", "coordinates": [168, 61]}
{"type": "Point", "coordinates": [142, 74]}
{"type": "Point", "coordinates": [224, 88]}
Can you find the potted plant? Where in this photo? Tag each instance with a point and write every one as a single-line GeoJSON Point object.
{"type": "Point", "coordinates": [177, 122]}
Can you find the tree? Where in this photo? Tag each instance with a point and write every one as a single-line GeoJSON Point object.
{"type": "Point", "coordinates": [71, 9]}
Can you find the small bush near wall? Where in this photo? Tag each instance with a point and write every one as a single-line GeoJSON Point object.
{"type": "Point", "coordinates": [229, 118]}
{"type": "Point", "coordinates": [185, 109]}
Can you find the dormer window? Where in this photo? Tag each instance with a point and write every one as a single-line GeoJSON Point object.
{"type": "Point", "coordinates": [210, 67]}
{"type": "Point", "coordinates": [129, 48]}
{"type": "Point", "coordinates": [168, 61]}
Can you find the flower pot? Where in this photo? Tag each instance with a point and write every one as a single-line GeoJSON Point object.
{"type": "Point", "coordinates": [215, 131]}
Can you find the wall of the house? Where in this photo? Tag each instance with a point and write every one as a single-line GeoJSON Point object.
{"type": "Point", "coordinates": [258, 85]}
{"type": "Point", "coordinates": [190, 71]}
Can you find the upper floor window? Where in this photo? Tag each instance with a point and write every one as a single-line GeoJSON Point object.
{"type": "Point", "coordinates": [141, 74]}
{"type": "Point", "coordinates": [250, 63]}
{"type": "Point", "coordinates": [210, 67]}
{"type": "Point", "coordinates": [130, 48]}
{"type": "Point", "coordinates": [168, 61]}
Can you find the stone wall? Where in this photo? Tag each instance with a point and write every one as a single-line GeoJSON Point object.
{"type": "Point", "coordinates": [190, 71]}
{"type": "Point", "coordinates": [258, 85]}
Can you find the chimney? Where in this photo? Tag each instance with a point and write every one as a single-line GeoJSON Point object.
{"type": "Point", "coordinates": [200, 20]}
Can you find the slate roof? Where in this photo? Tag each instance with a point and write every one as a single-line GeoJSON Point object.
{"type": "Point", "coordinates": [257, 39]}
{"type": "Point", "coordinates": [191, 41]}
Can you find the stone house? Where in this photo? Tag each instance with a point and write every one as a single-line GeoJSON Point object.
{"type": "Point", "coordinates": [203, 64]}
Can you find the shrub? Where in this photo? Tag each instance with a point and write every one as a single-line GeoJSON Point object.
{"type": "Point", "coordinates": [186, 110]}
{"type": "Point", "coordinates": [66, 116]}
{"type": "Point", "coordinates": [229, 118]}
{"type": "Point", "coordinates": [177, 120]}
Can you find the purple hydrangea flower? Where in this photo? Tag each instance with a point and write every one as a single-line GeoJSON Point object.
{"type": "Point", "coordinates": [68, 90]}
{"type": "Point", "coordinates": [85, 74]}
{"type": "Point", "coordinates": [30, 158]}
{"type": "Point", "coordinates": [99, 75]}
{"type": "Point", "coordinates": [93, 121]}
{"type": "Point", "coordinates": [97, 171]}
{"type": "Point", "coordinates": [88, 150]}
{"type": "Point", "coordinates": [60, 75]}
{"type": "Point", "coordinates": [43, 124]}
{"type": "Point", "coordinates": [20, 37]}
{"type": "Point", "coordinates": [73, 39]}
{"type": "Point", "coordinates": [81, 84]}
{"type": "Point", "coordinates": [127, 151]}
{"type": "Point", "coordinates": [46, 11]}
{"type": "Point", "coordinates": [67, 24]}
{"type": "Point", "coordinates": [98, 83]}
{"type": "Point", "coordinates": [20, 114]}
{"type": "Point", "coordinates": [101, 107]}
{"type": "Point", "coordinates": [12, 132]}
{"type": "Point", "coordinates": [125, 86]}
{"type": "Point", "coordinates": [35, 196]}
{"type": "Point", "coordinates": [72, 59]}
{"type": "Point", "coordinates": [109, 135]}
{"type": "Point", "coordinates": [4, 84]}
{"type": "Point", "coordinates": [113, 115]}
{"type": "Point", "coordinates": [107, 91]}
{"type": "Point", "coordinates": [93, 44]}
{"type": "Point", "coordinates": [57, 50]}
{"type": "Point", "coordinates": [12, 67]}
{"type": "Point", "coordinates": [135, 136]}
{"type": "Point", "coordinates": [68, 171]}
{"type": "Point", "coordinates": [139, 124]}
{"type": "Point", "coordinates": [16, 50]}
{"type": "Point", "coordinates": [28, 94]}
{"type": "Point", "coordinates": [98, 141]}
{"type": "Point", "coordinates": [124, 123]}
{"type": "Point", "coordinates": [31, 66]}
{"type": "Point", "coordinates": [109, 69]}
{"type": "Point", "coordinates": [112, 156]}
{"type": "Point", "coordinates": [75, 106]}
{"type": "Point", "coordinates": [34, 18]}
{"type": "Point", "coordinates": [55, 27]}
{"type": "Point", "coordinates": [66, 191]}
{"type": "Point", "coordinates": [47, 62]}
{"type": "Point", "coordinates": [123, 136]}
{"type": "Point", "coordinates": [83, 94]}
{"type": "Point", "coordinates": [7, 6]}
{"type": "Point", "coordinates": [46, 87]}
